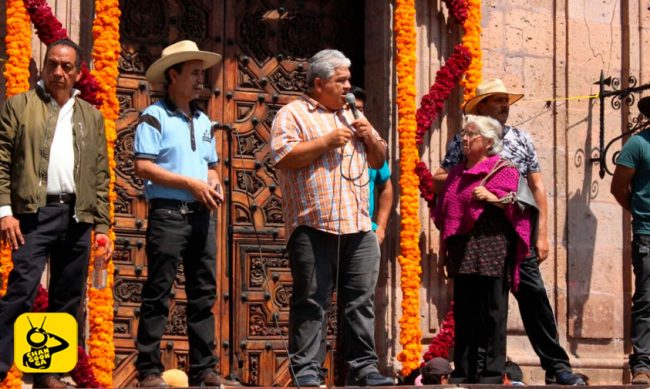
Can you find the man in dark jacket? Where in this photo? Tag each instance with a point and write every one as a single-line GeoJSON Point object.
{"type": "Point", "coordinates": [54, 182]}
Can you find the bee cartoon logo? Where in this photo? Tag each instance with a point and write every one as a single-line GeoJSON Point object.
{"type": "Point", "coordinates": [48, 347]}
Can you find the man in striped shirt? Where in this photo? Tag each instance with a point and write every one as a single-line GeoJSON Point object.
{"type": "Point", "coordinates": [322, 152]}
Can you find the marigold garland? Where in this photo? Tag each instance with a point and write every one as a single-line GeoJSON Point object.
{"type": "Point", "coordinates": [465, 59]}
{"type": "Point", "coordinates": [19, 51]}
{"type": "Point", "coordinates": [106, 52]}
{"type": "Point", "coordinates": [458, 9]}
{"type": "Point", "coordinates": [49, 29]}
{"type": "Point", "coordinates": [446, 80]}
{"type": "Point", "coordinates": [472, 41]}
{"type": "Point", "coordinates": [409, 259]}
{"type": "Point", "coordinates": [16, 72]}
{"type": "Point", "coordinates": [444, 339]}
{"type": "Point", "coordinates": [82, 374]}
{"type": "Point", "coordinates": [19, 48]}
{"type": "Point", "coordinates": [426, 184]}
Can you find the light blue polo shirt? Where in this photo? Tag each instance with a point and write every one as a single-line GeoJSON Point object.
{"type": "Point", "coordinates": [176, 143]}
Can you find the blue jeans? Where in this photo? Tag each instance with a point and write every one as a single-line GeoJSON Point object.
{"type": "Point", "coordinates": [312, 254]}
{"type": "Point", "coordinates": [640, 332]}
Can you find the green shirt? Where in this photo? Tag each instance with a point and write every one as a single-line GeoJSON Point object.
{"type": "Point", "coordinates": [636, 155]}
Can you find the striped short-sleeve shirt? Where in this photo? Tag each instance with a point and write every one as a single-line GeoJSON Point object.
{"type": "Point", "coordinates": [331, 193]}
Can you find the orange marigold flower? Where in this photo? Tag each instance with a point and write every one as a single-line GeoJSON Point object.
{"type": "Point", "coordinates": [19, 51]}
{"type": "Point", "coordinates": [106, 52]}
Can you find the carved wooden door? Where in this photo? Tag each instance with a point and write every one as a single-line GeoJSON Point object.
{"type": "Point", "coordinates": [265, 45]}
{"type": "Point", "coordinates": [146, 28]}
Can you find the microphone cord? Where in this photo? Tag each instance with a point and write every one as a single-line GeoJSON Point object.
{"type": "Point", "coordinates": [265, 279]}
{"type": "Point", "coordinates": [364, 169]}
{"type": "Point", "coordinates": [364, 159]}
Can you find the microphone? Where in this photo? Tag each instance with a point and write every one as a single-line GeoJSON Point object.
{"type": "Point", "coordinates": [350, 100]}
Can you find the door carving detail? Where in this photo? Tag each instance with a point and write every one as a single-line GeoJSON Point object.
{"type": "Point", "coordinates": [128, 292]}
{"type": "Point", "coordinates": [133, 62]}
{"type": "Point", "coordinates": [124, 158]}
{"type": "Point", "coordinates": [177, 323]}
{"type": "Point", "coordinates": [144, 21]}
{"type": "Point", "coordinates": [265, 45]}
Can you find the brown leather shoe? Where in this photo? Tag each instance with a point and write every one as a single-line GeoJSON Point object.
{"type": "Point", "coordinates": [152, 381]}
{"type": "Point", "coordinates": [212, 378]}
{"type": "Point", "coordinates": [641, 378]}
{"type": "Point", "coordinates": [49, 381]}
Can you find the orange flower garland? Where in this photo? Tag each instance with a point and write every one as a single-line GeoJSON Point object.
{"type": "Point", "coordinates": [16, 73]}
{"type": "Point", "coordinates": [106, 51]}
{"type": "Point", "coordinates": [19, 51]}
{"type": "Point", "coordinates": [409, 259]}
{"type": "Point", "coordinates": [472, 41]}
{"type": "Point", "coordinates": [19, 48]}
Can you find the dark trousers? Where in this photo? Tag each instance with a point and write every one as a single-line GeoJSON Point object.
{"type": "Point", "coordinates": [51, 232]}
{"type": "Point", "coordinates": [313, 258]}
{"type": "Point", "coordinates": [640, 332]}
{"type": "Point", "coordinates": [172, 235]}
{"type": "Point", "coordinates": [538, 318]}
{"type": "Point", "coordinates": [481, 316]}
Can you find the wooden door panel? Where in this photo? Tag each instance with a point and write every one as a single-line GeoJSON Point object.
{"type": "Point", "coordinates": [265, 45]}
{"type": "Point", "coordinates": [266, 51]}
{"type": "Point", "coordinates": [264, 290]}
{"type": "Point", "coordinates": [146, 28]}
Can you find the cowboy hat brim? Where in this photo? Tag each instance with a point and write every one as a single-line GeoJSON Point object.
{"type": "Point", "coordinates": [156, 72]}
{"type": "Point", "coordinates": [471, 104]}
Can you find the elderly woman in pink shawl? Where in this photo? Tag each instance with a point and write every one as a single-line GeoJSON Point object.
{"type": "Point", "coordinates": [484, 239]}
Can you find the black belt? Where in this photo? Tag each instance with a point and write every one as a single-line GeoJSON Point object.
{"type": "Point", "coordinates": [61, 198]}
{"type": "Point", "coordinates": [182, 206]}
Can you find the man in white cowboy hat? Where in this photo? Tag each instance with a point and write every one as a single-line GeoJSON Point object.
{"type": "Point", "coordinates": [631, 188]}
{"type": "Point", "coordinates": [493, 99]}
{"type": "Point", "coordinates": [175, 153]}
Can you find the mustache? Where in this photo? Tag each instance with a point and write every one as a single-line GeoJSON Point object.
{"type": "Point", "coordinates": [199, 86]}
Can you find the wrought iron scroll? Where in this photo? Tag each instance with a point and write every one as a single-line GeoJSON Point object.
{"type": "Point", "coordinates": [619, 97]}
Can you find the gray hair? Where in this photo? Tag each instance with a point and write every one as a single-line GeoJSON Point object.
{"type": "Point", "coordinates": [323, 65]}
{"type": "Point", "coordinates": [489, 128]}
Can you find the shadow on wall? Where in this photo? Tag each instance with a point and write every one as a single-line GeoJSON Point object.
{"type": "Point", "coordinates": [580, 232]}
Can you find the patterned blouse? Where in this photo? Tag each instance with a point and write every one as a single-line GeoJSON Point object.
{"type": "Point", "coordinates": [518, 148]}
{"type": "Point", "coordinates": [486, 249]}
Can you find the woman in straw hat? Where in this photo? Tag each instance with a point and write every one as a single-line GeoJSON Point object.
{"type": "Point", "coordinates": [485, 239]}
{"type": "Point", "coordinates": [494, 100]}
